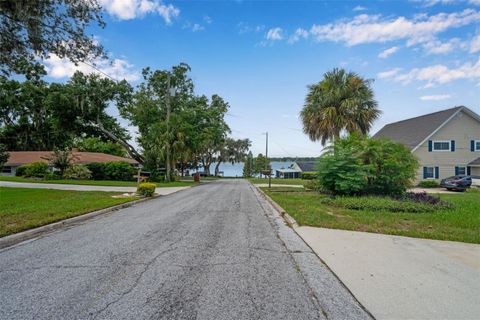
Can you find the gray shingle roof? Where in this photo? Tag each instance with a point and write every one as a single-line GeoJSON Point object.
{"type": "Point", "coordinates": [411, 132]}
{"type": "Point", "coordinates": [307, 166]}
{"type": "Point", "coordinates": [475, 162]}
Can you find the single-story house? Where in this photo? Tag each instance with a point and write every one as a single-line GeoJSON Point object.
{"type": "Point", "coordinates": [294, 171]}
{"type": "Point", "coordinates": [446, 142]}
{"type": "Point", "coordinates": [19, 158]}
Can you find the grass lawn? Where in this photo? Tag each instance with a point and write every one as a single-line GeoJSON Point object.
{"type": "Point", "coordinates": [277, 181]}
{"type": "Point", "coordinates": [460, 223]}
{"type": "Point", "coordinates": [22, 208]}
{"type": "Point", "coordinates": [96, 182]}
{"type": "Point", "coordinates": [190, 178]}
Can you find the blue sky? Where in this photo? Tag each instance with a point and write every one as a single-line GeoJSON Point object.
{"type": "Point", "coordinates": [260, 56]}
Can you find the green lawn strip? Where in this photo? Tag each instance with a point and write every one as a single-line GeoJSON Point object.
{"type": "Point", "coordinates": [22, 208]}
{"type": "Point", "coordinates": [109, 183]}
{"type": "Point", "coordinates": [277, 181]}
{"type": "Point", "coordinates": [460, 223]}
{"type": "Point", "coordinates": [190, 178]}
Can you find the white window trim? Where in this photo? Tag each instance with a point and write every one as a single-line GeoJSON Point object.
{"type": "Point", "coordinates": [433, 173]}
{"type": "Point", "coordinates": [475, 149]}
{"type": "Point", "coordinates": [442, 141]}
{"type": "Point", "coordinates": [462, 174]}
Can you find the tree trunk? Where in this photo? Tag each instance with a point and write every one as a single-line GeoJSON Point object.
{"type": "Point", "coordinates": [130, 149]}
{"type": "Point", "coordinates": [217, 167]}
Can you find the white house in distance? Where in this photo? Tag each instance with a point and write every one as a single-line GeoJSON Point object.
{"type": "Point", "coordinates": [446, 142]}
{"type": "Point", "coordinates": [294, 171]}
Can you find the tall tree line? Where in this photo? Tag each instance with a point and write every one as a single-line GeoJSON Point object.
{"type": "Point", "coordinates": [174, 124]}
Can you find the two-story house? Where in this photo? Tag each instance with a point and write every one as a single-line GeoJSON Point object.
{"type": "Point", "coordinates": [446, 143]}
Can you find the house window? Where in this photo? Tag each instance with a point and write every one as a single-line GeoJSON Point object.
{"type": "Point", "coordinates": [429, 173]}
{"type": "Point", "coordinates": [477, 145]}
{"type": "Point", "coordinates": [7, 170]}
{"type": "Point", "coordinates": [441, 145]}
{"type": "Point", "coordinates": [461, 171]}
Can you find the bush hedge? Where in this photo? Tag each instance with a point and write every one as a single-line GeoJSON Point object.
{"type": "Point", "coordinates": [358, 165]}
{"type": "Point", "coordinates": [429, 184]}
{"type": "Point", "coordinates": [310, 185]}
{"type": "Point", "coordinates": [35, 170]}
{"type": "Point", "coordinates": [146, 189]}
{"type": "Point", "coordinates": [309, 175]}
{"type": "Point", "coordinates": [117, 170]}
{"type": "Point", "coordinates": [20, 171]}
{"type": "Point", "coordinates": [77, 172]}
{"type": "Point", "coordinates": [375, 203]}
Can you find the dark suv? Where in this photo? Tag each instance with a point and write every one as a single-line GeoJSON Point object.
{"type": "Point", "coordinates": [457, 183]}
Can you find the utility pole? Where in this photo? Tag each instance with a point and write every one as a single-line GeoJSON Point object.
{"type": "Point", "coordinates": [167, 177]}
{"type": "Point", "coordinates": [266, 161]}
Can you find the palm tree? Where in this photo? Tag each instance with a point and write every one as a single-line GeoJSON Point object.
{"type": "Point", "coordinates": [342, 101]}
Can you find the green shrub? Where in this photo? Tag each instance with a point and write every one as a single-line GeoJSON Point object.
{"type": "Point", "coordinates": [428, 184]}
{"type": "Point", "coordinates": [373, 203]}
{"type": "Point", "coordinates": [146, 189]}
{"type": "Point", "coordinates": [77, 172]}
{"type": "Point", "coordinates": [117, 170]}
{"type": "Point", "coordinates": [20, 171]}
{"type": "Point", "coordinates": [36, 170]}
{"type": "Point", "coordinates": [311, 185]}
{"type": "Point", "coordinates": [52, 176]}
{"type": "Point", "coordinates": [308, 175]}
{"type": "Point", "coordinates": [362, 165]}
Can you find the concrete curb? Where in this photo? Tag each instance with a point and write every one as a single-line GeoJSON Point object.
{"type": "Point", "coordinates": [16, 238]}
{"type": "Point", "coordinates": [288, 218]}
{"type": "Point", "coordinates": [293, 224]}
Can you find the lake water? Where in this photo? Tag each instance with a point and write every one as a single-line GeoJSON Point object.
{"type": "Point", "coordinates": [236, 170]}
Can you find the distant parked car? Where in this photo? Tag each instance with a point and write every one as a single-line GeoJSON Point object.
{"type": "Point", "coordinates": [457, 183]}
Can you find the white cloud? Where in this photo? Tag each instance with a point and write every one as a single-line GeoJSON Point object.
{"type": "Point", "coordinates": [475, 44]}
{"type": "Point", "coordinates": [366, 28]}
{"type": "Point", "coordinates": [244, 27]}
{"type": "Point", "coordinates": [299, 34]}
{"type": "Point", "coordinates": [430, 3]}
{"type": "Point", "coordinates": [387, 52]}
{"type": "Point", "coordinates": [207, 19]}
{"type": "Point", "coordinates": [274, 34]}
{"type": "Point", "coordinates": [440, 74]}
{"type": "Point", "coordinates": [359, 8]}
{"type": "Point", "coordinates": [389, 73]}
{"type": "Point", "coordinates": [439, 47]}
{"type": "Point", "coordinates": [436, 97]}
{"type": "Point", "coordinates": [196, 27]}
{"type": "Point", "coordinates": [118, 69]}
{"type": "Point", "coordinates": [130, 9]}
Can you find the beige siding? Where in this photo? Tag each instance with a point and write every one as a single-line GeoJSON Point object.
{"type": "Point", "coordinates": [463, 128]}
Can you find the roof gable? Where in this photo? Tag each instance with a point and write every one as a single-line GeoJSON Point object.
{"type": "Point", "coordinates": [307, 166]}
{"type": "Point", "coordinates": [413, 132]}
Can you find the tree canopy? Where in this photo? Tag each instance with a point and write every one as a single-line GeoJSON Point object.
{"type": "Point", "coordinates": [342, 101]}
{"type": "Point", "coordinates": [34, 30]}
{"type": "Point", "coordinates": [37, 115]}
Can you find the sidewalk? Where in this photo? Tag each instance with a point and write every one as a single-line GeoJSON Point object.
{"type": "Point", "coordinates": [402, 278]}
{"type": "Point", "coordinates": [161, 191]}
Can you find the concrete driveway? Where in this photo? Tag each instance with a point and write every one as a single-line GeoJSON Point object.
{"type": "Point", "coordinates": [160, 191]}
{"type": "Point", "coordinates": [403, 278]}
{"type": "Point", "coordinates": [216, 251]}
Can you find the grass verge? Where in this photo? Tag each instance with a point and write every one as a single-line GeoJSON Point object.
{"type": "Point", "coordinates": [109, 183]}
{"type": "Point", "coordinates": [277, 181]}
{"type": "Point", "coordinates": [22, 208]}
{"type": "Point", "coordinates": [459, 223]}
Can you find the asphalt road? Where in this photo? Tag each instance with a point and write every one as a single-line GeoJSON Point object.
{"type": "Point", "coordinates": [216, 251]}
